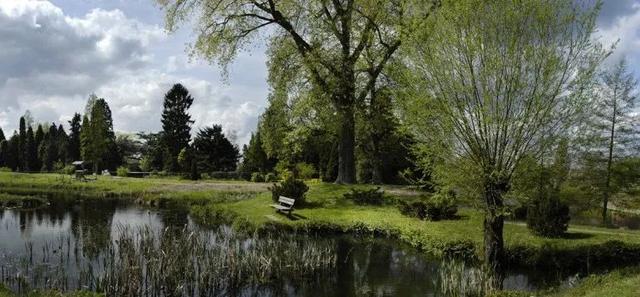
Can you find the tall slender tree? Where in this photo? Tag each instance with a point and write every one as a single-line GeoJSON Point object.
{"type": "Point", "coordinates": [22, 145]}
{"type": "Point", "coordinates": [176, 124]}
{"type": "Point", "coordinates": [491, 82]}
{"type": "Point", "coordinates": [329, 38]}
{"type": "Point", "coordinates": [2, 135]}
{"type": "Point", "coordinates": [74, 137]}
{"type": "Point", "coordinates": [31, 151]}
{"type": "Point", "coordinates": [4, 153]}
{"type": "Point", "coordinates": [613, 124]}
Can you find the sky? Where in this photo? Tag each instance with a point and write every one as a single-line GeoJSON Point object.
{"type": "Point", "coordinates": [55, 53]}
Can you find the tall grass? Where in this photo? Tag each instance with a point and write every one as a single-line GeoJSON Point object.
{"type": "Point", "coordinates": [173, 262]}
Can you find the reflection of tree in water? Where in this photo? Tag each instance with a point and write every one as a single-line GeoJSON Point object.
{"type": "Point", "coordinates": [175, 216]}
{"type": "Point", "coordinates": [91, 225]}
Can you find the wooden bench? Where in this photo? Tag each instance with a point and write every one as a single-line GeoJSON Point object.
{"type": "Point", "coordinates": [284, 204]}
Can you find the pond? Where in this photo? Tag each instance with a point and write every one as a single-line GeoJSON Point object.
{"type": "Point", "coordinates": [127, 250]}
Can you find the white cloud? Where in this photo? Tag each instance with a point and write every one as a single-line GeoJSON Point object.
{"type": "Point", "coordinates": [626, 31]}
{"type": "Point", "coordinates": [52, 62]}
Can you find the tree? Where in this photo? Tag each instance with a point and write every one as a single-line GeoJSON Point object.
{"type": "Point", "coordinates": [22, 146]}
{"type": "Point", "coordinates": [74, 137]}
{"type": "Point", "coordinates": [98, 142]}
{"type": "Point", "coordinates": [327, 36]}
{"type": "Point", "coordinates": [2, 138]}
{"type": "Point", "coordinates": [490, 82]}
{"type": "Point", "coordinates": [13, 152]}
{"type": "Point", "coordinates": [254, 158]}
{"type": "Point", "coordinates": [176, 124]}
{"type": "Point", "coordinates": [31, 151]}
{"type": "Point", "coordinates": [213, 151]}
{"type": "Point", "coordinates": [612, 124]}
{"type": "Point", "coordinates": [152, 151]}
{"type": "Point", "coordinates": [4, 153]}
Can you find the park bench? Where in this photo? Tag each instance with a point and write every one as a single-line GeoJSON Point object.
{"type": "Point", "coordinates": [284, 205]}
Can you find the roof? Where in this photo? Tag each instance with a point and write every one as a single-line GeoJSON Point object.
{"type": "Point", "coordinates": [78, 162]}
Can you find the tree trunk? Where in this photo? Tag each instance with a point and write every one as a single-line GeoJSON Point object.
{"type": "Point", "coordinates": [607, 186]}
{"type": "Point", "coordinates": [346, 149]}
{"type": "Point", "coordinates": [493, 233]}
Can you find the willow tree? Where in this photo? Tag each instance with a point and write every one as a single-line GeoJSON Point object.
{"type": "Point", "coordinates": [490, 82]}
{"type": "Point", "coordinates": [329, 37]}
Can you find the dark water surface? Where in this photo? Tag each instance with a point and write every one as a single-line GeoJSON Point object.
{"type": "Point", "coordinates": [54, 245]}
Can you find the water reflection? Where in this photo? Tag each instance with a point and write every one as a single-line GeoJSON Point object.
{"type": "Point", "coordinates": [67, 238]}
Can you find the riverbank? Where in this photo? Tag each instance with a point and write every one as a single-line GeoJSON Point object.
{"type": "Point", "coordinates": [246, 206]}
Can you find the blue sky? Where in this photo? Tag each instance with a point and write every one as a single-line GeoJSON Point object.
{"type": "Point", "coordinates": [57, 52]}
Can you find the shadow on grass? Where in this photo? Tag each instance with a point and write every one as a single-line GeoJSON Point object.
{"type": "Point", "coordinates": [576, 235]}
{"type": "Point", "coordinates": [292, 217]}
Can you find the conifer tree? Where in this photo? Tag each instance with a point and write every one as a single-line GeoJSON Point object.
{"type": "Point", "coordinates": [176, 124]}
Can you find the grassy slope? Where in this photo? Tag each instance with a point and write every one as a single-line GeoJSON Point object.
{"type": "Point", "coordinates": [621, 283]}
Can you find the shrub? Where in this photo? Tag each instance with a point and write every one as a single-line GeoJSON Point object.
{"type": "Point", "coordinates": [122, 171]}
{"type": "Point", "coordinates": [257, 177]}
{"type": "Point", "coordinates": [290, 188]}
{"type": "Point", "coordinates": [305, 170]}
{"type": "Point", "coordinates": [68, 170]}
{"type": "Point", "coordinates": [194, 173]}
{"type": "Point", "coordinates": [270, 177]}
{"type": "Point", "coordinates": [440, 206]}
{"type": "Point", "coordinates": [5, 169]}
{"type": "Point", "coordinates": [366, 197]}
{"type": "Point", "coordinates": [547, 216]}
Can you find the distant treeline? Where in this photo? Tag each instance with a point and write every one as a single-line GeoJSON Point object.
{"type": "Point", "coordinates": [91, 138]}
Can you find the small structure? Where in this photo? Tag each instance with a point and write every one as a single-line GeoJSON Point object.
{"type": "Point", "coordinates": [284, 205]}
{"type": "Point", "coordinates": [80, 170]}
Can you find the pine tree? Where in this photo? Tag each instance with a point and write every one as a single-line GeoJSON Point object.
{"type": "Point", "coordinates": [2, 138]}
{"type": "Point", "coordinates": [31, 151]}
{"type": "Point", "coordinates": [73, 149]}
{"type": "Point", "coordinates": [4, 153]}
{"type": "Point", "coordinates": [22, 140]}
{"type": "Point", "coordinates": [12, 152]}
{"type": "Point", "coordinates": [214, 151]}
{"type": "Point", "coordinates": [176, 124]}
{"type": "Point", "coordinates": [39, 138]}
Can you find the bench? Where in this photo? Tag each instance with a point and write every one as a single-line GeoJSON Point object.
{"type": "Point", "coordinates": [284, 205]}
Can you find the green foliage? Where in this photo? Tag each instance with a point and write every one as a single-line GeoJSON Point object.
{"type": "Point", "coordinates": [214, 151]}
{"type": "Point", "coordinates": [194, 173]}
{"type": "Point", "coordinates": [305, 170]}
{"type": "Point", "coordinates": [176, 124]}
{"type": "Point", "coordinates": [257, 177]}
{"type": "Point", "coordinates": [548, 216]}
{"type": "Point", "coordinates": [292, 188]}
{"type": "Point", "coordinates": [98, 141]}
{"type": "Point", "coordinates": [373, 196]}
{"type": "Point", "coordinates": [68, 170]}
{"type": "Point", "coordinates": [122, 171]}
{"type": "Point", "coordinates": [5, 169]}
{"type": "Point", "coordinates": [270, 177]}
{"type": "Point", "coordinates": [440, 206]}
{"type": "Point", "coordinates": [184, 159]}
{"type": "Point", "coordinates": [254, 158]}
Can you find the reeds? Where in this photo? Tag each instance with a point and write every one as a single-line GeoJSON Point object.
{"type": "Point", "coordinates": [173, 262]}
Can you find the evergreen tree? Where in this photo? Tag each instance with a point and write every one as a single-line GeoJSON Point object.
{"type": "Point", "coordinates": [254, 158]}
{"type": "Point", "coordinates": [22, 141]}
{"type": "Point", "coordinates": [2, 135]}
{"type": "Point", "coordinates": [31, 151]}
{"type": "Point", "coordinates": [39, 138]}
{"type": "Point", "coordinates": [214, 152]}
{"type": "Point", "coordinates": [4, 153]}
{"type": "Point", "coordinates": [13, 152]}
{"type": "Point", "coordinates": [98, 138]}
{"type": "Point", "coordinates": [85, 139]}
{"type": "Point", "coordinates": [176, 124]}
{"type": "Point", "coordinates": [62, 141]}
{"type": "Point", "coordinates": [73, 148]}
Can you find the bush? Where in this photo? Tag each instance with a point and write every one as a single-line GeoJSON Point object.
{"type": "Point", "coordinates": [270, 177]}
{"type": "Point", "coordinates": [122, 171]}
{"type": "Point", "coordinates": [366, 197]}
{"type": "Point", "coordinates": [194, 173]}
{"type": "Point", "coordinates": [68, 170]}
{"type": "Point", "coordinates": [547, 216]}
{"type": "Point", "coordinates": [305, 170]}
{"type": "Point", "coordinates": [257, 177]}
{"type": "Point", "coordinates": [440, 206]}
{"type": "Point", "coordinates": [5, 169]}
{"type": "Point", "coordinates": [290, 188]}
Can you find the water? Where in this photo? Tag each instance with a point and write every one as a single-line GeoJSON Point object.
{"type": "Point", "coordinates": [83, 246]}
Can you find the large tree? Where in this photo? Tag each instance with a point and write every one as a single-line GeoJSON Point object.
{"type": "Point", "coordinates": [2, 135]}
{"type": "Point", "coordinates": [214, 151]}
{"type": "Point", "coordinates": [176, 124]}
{"type": "Point", "coordinates": [97, 137]}
{"type": "Point", "coordinates": [491, 82]}
{"type": "Point", "coordinates": [22, 146]}
{"type": "Point", "coordinates": [74, 137]}
{"type": "Point", "coordinates": [328, 37]}
{"type": "Point", "coordinates": [612, 125]}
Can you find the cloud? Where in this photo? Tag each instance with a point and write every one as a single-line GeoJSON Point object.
{"type": "Point", "coordinates": [51, 62]}
{"type": "Point", "coordinates": [623, 29]}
